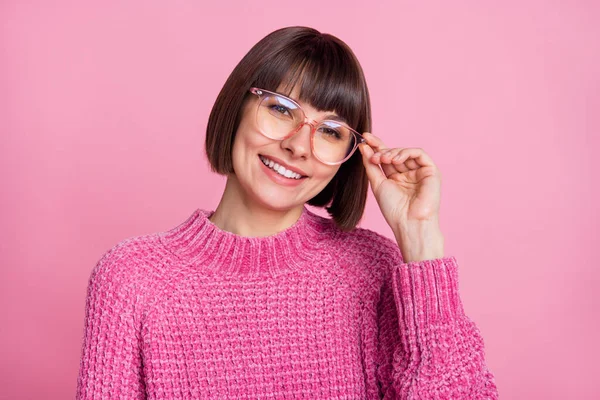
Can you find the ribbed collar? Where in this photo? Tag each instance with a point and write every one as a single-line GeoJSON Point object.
{"type": "Point", "coordinates": [199, 242]}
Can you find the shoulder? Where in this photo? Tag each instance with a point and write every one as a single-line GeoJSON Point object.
{"type": "Point", "coordinates": [127, 265]}
{"type": "Point", "coordinates": [365, 252]}
{"type": "Point", "coordinates": [359, 242]}
{"type": "Point", "coordinates": [368, 245]}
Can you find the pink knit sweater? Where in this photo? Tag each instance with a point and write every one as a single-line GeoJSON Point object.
{"type": "Point", "coordinates": [311, 312]}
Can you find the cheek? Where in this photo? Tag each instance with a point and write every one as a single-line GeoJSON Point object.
{"type": "Point", "coordinates": [247, 142]}
{"type": "Point", "coordinates": [324, 174]}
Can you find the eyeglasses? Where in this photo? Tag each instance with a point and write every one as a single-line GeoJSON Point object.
{"type": "Point", "coordinates": [279, 117]}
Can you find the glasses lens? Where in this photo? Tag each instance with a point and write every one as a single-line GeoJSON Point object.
{"type": "Point", "coordinates": [278, 116]}
{"type": "Point", "coordinates": [333, 141]}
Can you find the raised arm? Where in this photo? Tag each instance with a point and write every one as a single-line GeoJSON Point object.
{"type": "Point", "coordinates": [427, 347]}
{"type": "Point", "coordinates": [111, 365]}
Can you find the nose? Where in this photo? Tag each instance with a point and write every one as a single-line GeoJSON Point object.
{"type": "Point", "coordinates": [298, 143]}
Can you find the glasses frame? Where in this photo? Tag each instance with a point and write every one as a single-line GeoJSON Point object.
{"type": "Point", "coordinates": [313, 126]}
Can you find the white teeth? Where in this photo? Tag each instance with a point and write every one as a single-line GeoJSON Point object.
{"type": "Point", "coordinates": [280, 169]}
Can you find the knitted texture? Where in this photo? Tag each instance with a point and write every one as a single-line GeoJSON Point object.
{"type": "Point", "coordinates": [312, 312]}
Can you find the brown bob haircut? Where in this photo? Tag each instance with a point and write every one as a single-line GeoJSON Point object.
{"type": "Point", "coordinates": [330, 78]}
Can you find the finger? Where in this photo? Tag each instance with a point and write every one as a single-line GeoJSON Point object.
{"type": "Point", "coordinates": [386, 159]}
{"type": "Point", "coordinates": [378, 146]}
{"type": "Point", "coordinates": [375, 142]}
{"type": "Point", "coordinates": [409, 163]}
{"type": "Point", "coordinates": [403, 159]}
{"type": "Point", "coordinates": [374, 173]}
{"type": "Point", "coordinates": [412, 164]}
{"type": "Point", "coordinates": [402, 163]}
{"type": "Point", "coordinates": [395, 161]}
{"type": "Point", "coordinates": [387, 154]}
{"type": "Point", "coordinates": [414, 158]}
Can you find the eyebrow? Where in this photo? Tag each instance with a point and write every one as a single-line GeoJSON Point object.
{"type": "Point", "coordinates": [336, 118]}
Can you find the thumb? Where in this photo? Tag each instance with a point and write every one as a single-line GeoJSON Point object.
{"type": "Point", "coordinates": [374, 172]}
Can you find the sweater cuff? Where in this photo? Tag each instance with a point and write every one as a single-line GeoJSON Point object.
{"type": "Point", "coordinates": [427, 291]}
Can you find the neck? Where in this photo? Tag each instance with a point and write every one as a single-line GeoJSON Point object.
{"type": "Point", "coordinates": [239, 214]}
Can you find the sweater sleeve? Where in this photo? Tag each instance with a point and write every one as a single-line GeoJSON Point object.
{"type": "Point", "coordinates": [427, 347]}
{"type": "Point", "coordinates": [111, 363]}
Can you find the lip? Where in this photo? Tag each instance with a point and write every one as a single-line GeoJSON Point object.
{"type": "Point", "coordinates": [285, 165]}
{"type": "Point", "coordinates": [277, 178]}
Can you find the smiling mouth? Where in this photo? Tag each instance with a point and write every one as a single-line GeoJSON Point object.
{"type": "Point", "coordinates": [281, 170]}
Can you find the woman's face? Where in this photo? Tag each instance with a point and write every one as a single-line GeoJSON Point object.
{"type": "Point", "coordinates": [261, 183]}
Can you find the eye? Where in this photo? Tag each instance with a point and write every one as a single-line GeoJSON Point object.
{"type": "Point", "coordinates": [331, 132]}
{"type": "Point", "coordinates": [280, 109]}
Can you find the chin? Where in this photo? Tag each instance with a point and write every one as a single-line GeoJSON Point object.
{"type": "Point", "coordinates": [276, 201]}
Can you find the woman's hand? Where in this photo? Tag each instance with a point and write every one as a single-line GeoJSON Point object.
{"type": "Point", "coordinates": [408, 192]}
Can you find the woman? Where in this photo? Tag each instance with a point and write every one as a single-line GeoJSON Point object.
{"type": "Point", "coordinates": [262, 298]}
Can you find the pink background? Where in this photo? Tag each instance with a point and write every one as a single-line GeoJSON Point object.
{"type": "Point", "coordinates": [103, 109]}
